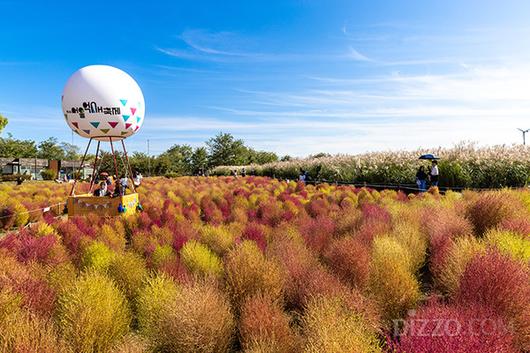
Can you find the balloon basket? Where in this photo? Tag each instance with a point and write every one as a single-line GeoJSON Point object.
{"type": "Point", "coordinates": [82, 205]}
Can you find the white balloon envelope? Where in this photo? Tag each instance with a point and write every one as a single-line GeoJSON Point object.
{"type": "Point", "coordinates": [103, 103]}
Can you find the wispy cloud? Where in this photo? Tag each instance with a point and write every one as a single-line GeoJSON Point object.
{"type": "Point", "coordinates": [219, 43]}
{"type": "Point", "coordinates": [355, 55]}
{"type": "Point", "coordinates": [230, 47]}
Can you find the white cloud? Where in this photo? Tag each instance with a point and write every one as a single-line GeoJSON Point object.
{"type": "Point", "coordinates": [355, 55]}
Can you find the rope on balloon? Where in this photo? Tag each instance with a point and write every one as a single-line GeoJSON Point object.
{"type": "Point", "coordinates": [43, 209]}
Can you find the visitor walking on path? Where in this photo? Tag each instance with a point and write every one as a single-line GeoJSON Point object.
{"type": "Point", "coordinates": [434, 173]}
{"type": "Point", "coordinates": [421, 179]}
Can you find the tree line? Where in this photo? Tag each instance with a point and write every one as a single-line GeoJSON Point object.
{"type": "Point", "coordinates": [179, 159]}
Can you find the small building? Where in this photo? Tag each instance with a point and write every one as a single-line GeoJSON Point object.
{"type": "Point", "coordinates": [29, 166]}
{"type": "Point", "coordinates": [68, 168]}
{"type": "Point", "coordinates": [34, 167]}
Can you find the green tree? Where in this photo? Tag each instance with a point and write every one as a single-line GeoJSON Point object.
{"type": "Point", "coordinates": [141, 162]}
{"type": "Point", "coordinates": [106, 163]}
{"type": "Point", "coordinates": [224, 149]}
{"type": "Point", "coordinates": [11, 147]}
{"type": "Point", "coordinates": [71, 152]}
{"type": "Point", "coordinates": [199, 160]}
{"type": "Point", "coordinates": [319, 155]}
{"type": "Point", "coordinates": [261, 157]}
{"type": "Point", "coordinates": [50, 149]}
{"type": "Point", "coordinates": [180, 159]}
{"type": "Point", "coordinates": [3, 122]}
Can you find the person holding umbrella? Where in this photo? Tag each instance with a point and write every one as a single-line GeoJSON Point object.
{"type": "Point", "coordinates": [435, 173]}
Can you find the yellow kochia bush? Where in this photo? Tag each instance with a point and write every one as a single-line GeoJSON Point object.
{"type": "Point", "coordinates": [513, 244]}
{"type": "Point", "coordinates": [162, 255]}
{"type": "Point", "coordinates": [113, 238]}
{"type": "Point", "coordinates": [93, 314]}
{"type": "Point", "coordinates": [408, 235]}
{"type": "Point", "coordinates": [21, 331]}
{"type": "Point", "coordinates": [129, 271]}
{"type": "Point", "coordinates": [155, 295]}
{"type": "Point", "coordinates": [392, 283]}
{"type": "Point", "coordinates": [96, 256]}
{"type": "Point", "coordinates": [42, 229]}
{"type": "Point", "coordinates": [330, 325]}
{"type": "Point", "coordinates": [460, 254]}
{"type": "Point", "coordinates": [249, 273]}
{"type": "Point", "coordinates": [218, 238]}
{"type": "Point", "coordinates": [200, 260]}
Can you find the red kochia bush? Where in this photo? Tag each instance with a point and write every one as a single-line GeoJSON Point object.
{"type": "Point", "coordinates": [210, 211]}
{"type": "Point", "coordinates": [490, 209]}
{"type": "Point", "coordinates": [38, 296]}
{"type": "Point", "coordinates": [501, 284]}
{"type": "Point", "coordinates": [269, 213]}
{"type": "Point", "coordinates": [255, 232]}
{"type": "Point", "coordinates": [317, 207]}
{"type": "Point", "coordinates": [317, 232]}
{"type": "Point", "coordinates": [350, 260]}
{"type": "Point", "coordinates": [373, 212]}
{"type": "Point", "coordinates": [27, 247]}
{"type": "Point", "coordinates": [439, 328]}
{"type": "Point", "coordinates": [442, 227]}
{"type": "Point", "coordinates": [517, 225]}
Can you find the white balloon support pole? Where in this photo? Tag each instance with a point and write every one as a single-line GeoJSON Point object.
{"type": "Point", "coordinates": [128, 166]}
{"type": "Point", "coordinates": [114, 157]}
{"type": "Point", "coordinates": [94, 169]}
{"type": "Point", "coordinates": [80, 167]}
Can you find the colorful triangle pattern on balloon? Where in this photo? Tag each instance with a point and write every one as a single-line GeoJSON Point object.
{"type": "Point", "coordinates": [104, 130]}
{"type": "Point", "coordinates": [94, 124]}
{"type": "Point", "coordinates": [128, 125]}
{"type": "Point", "coordinates": [126, 117]}
{"type": "Point", "coordinates": [124, 133]}
{"type": "Point", "coordinates": [66, 116]}
{"type": "Point", "coordinates": [123, 102]}
{"type": "Point", "coordinates": [87, 132]}
{"type": "Point", "coordinates": [136, 128]}
{"type": "Point", "coordinates": [133, 110]}
{"type": "Point", "coordinates": [138, 119]}
{"type": "Point", "coordinates": [113, 124]}
{"type": "Point", "coordinates": [75, 124]}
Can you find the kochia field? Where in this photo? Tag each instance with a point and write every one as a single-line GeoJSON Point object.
{"type": "Point", "coordinates": [260, 265]}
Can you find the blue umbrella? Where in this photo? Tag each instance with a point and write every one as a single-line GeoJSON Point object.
{"type": "Point", "coordinates": [429, 156]}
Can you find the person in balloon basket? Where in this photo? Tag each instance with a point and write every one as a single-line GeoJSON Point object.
{"type": "Point", "coordinates": [102, 190]}
{"type": "Point", "coordinates": [421, 179]}
{"type": "Point", "coordinates": [122, 184]}
{"type": "Point", "coordinates": [434, 174]}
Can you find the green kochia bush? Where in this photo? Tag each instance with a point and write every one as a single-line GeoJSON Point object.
{"type": "Point", "coordinates": [392, 283]}
{"type": "Point", "coordinates": [97, 256]}
{"type": "Point", "coordinates": [93, 314]}
{"type": "Point", "coordinates": [153, 297]}
{"type": "Point", "coordinates": [199, 259]}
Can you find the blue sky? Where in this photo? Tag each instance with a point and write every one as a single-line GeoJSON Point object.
{"type": "Point", "coordinates": [294, 77]}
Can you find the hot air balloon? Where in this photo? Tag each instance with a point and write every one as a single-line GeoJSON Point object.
{"type": "Point", "coordinates": [104, 104]}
